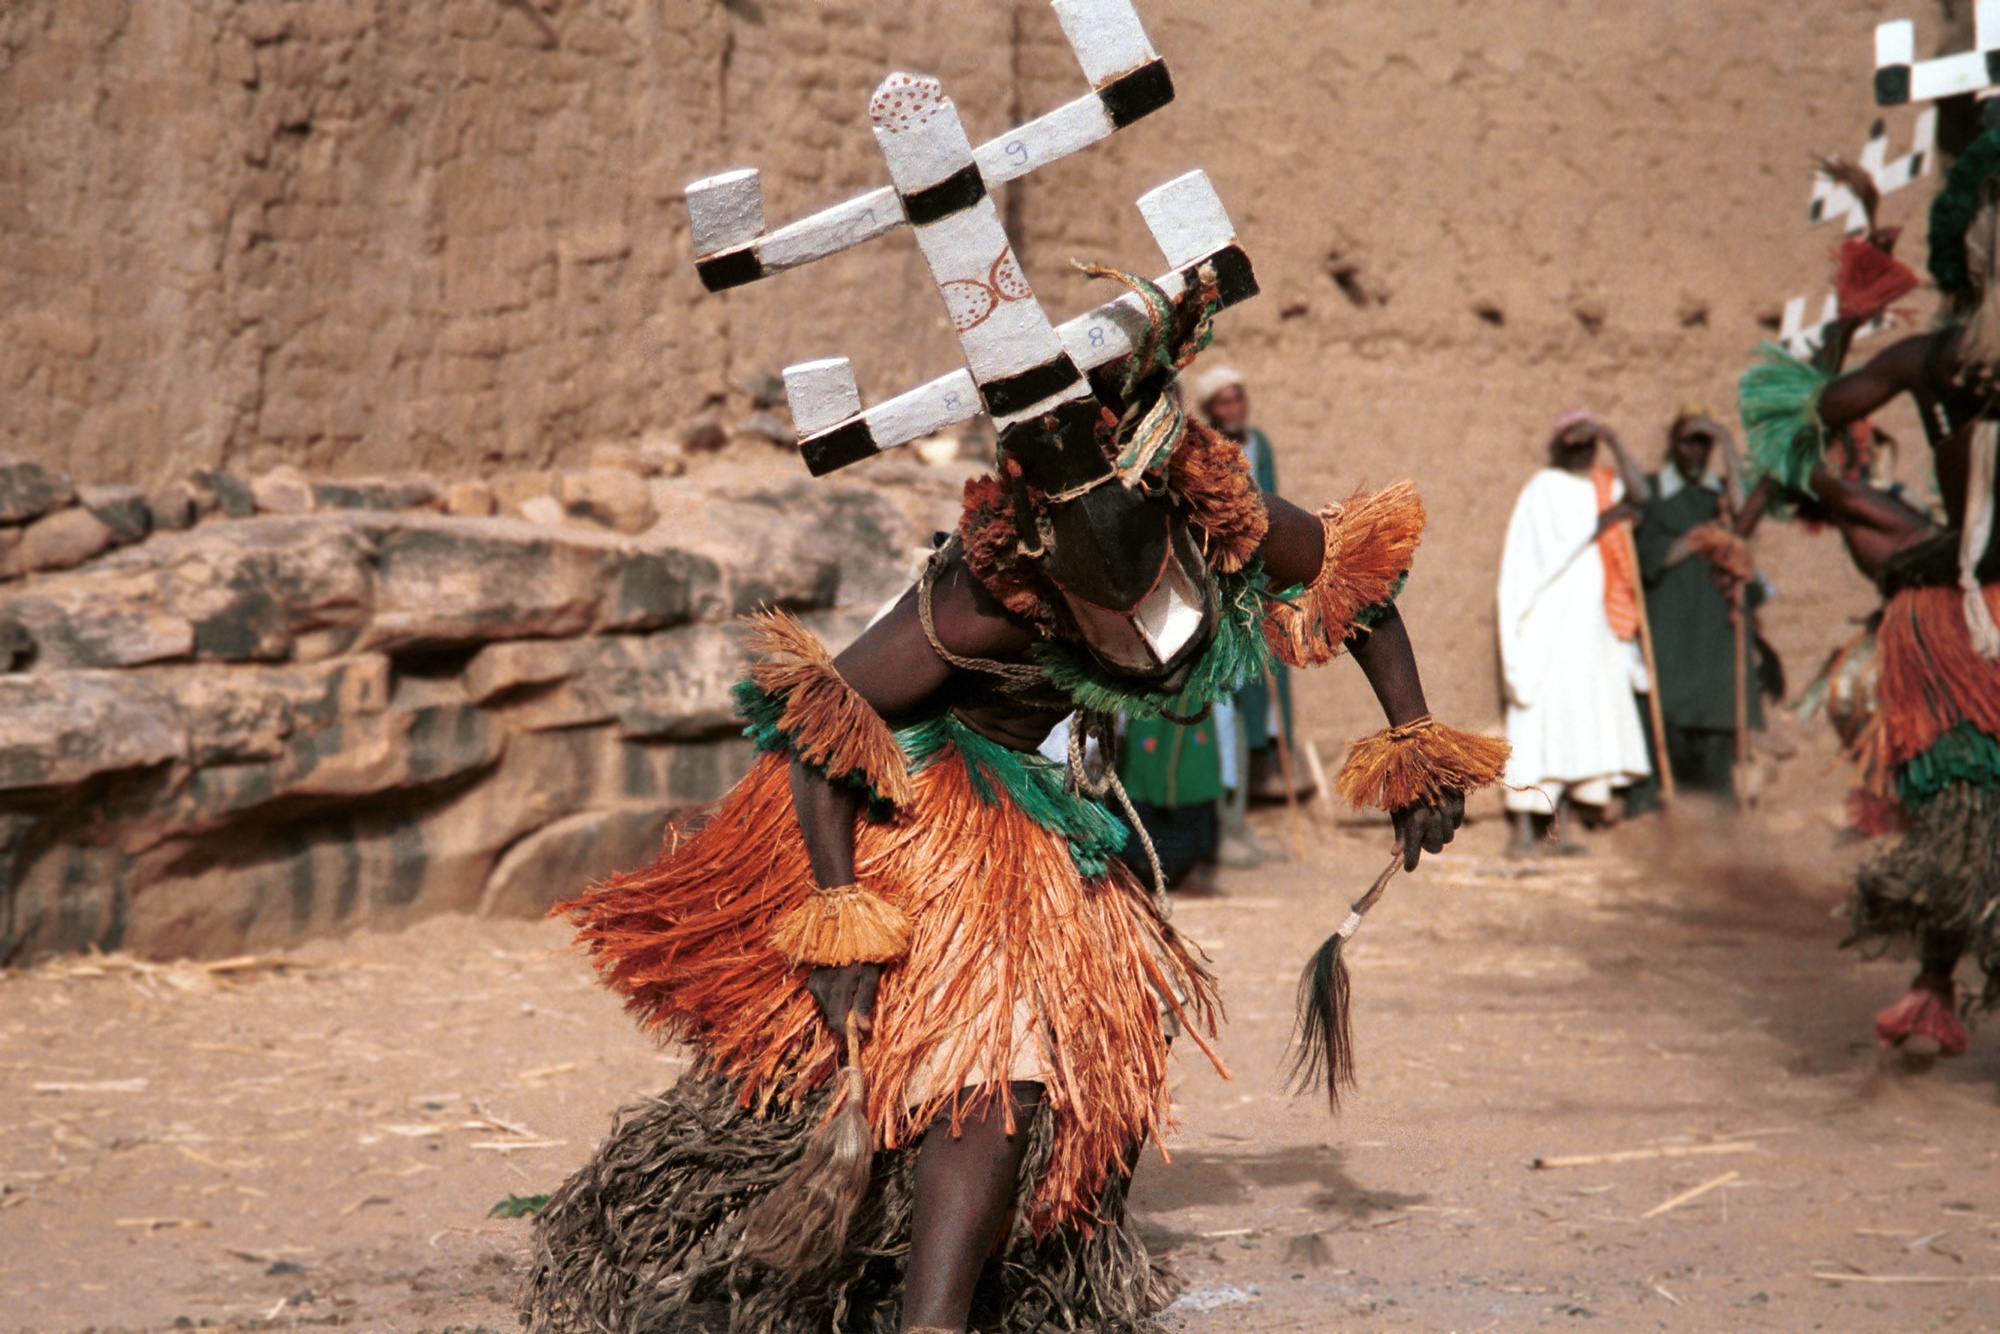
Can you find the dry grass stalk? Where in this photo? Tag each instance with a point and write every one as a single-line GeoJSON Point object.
{"type": "Point", "coordinates": [1644, 1155]}
{"type": "Point", "coordinates": [1714, 1183]}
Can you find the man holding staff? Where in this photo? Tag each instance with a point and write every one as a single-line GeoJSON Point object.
{"type": "Point", "coordinates": [1697, 572]}
{"type": "Point", "coordinates": [1569, 633]}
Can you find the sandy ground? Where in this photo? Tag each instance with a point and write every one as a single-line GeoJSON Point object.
{"type": "Point", "coordinates": [320, 1143]}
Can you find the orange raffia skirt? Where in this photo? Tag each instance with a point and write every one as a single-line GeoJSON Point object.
{"type": "Point", "coordinates": [1034, 955]}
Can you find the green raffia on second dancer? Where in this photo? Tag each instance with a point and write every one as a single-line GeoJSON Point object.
{"type": "Point", "coordinates": [1963, 755]}
{"type": "Point", "coordinates": [1779, 401]}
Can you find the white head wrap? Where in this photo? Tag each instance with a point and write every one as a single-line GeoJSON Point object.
{"type": "Point", "coordinates": [1213, 381]}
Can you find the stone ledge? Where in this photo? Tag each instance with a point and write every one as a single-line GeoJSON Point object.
{"type": "Point", "coordinates": [238, 734]}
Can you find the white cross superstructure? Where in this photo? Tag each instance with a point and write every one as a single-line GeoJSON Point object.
{"type": "Point", "coordinates": [1831, 199]}
{"type": "Point", "coordinates": [1900, 77]}
{"type": "Point", "coordinates": [1018, 363]}
{"type": "Point", "coordinates": [1801, 339]}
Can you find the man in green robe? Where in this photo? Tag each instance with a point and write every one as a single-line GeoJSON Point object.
{"type": "Point", "coordinates": [1223, 400]}
{"type": "Point", "coordinates": [1173, 774]}
{"type": "Point", "coordinates": [1688, 596]}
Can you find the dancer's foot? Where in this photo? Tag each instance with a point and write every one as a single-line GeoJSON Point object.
{"type": "Point", "coordinates": [1925, 1021]}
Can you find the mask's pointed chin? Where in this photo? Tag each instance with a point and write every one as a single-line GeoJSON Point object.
{"type": "Point", "coordinates": [1159, 638]}
{"type": "Point", "coordinates": [1175, 681]}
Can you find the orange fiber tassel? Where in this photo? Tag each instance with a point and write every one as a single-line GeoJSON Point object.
{"type": "Point", "coordinates": [1370, 542]}
{"type": "Point", "coordinates": [1418, 763]}
{"type": "Point", "coordinates": [837, 927]}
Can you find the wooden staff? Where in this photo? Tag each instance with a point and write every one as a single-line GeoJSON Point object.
{"type": "Point", "coordinates": [1739, 619]}
{"type": "Point", "coordinates": [1661, 763]}
{"type": "Point", "coordinates": [1285, 765]}
{"type": "Point", "coordinates": [1739, 625]}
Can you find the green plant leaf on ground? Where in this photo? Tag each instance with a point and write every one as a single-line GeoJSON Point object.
{"type": "Point", "coordinates": [518, 1206]}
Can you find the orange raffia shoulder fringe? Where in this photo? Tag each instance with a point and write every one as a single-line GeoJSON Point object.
{"type": "Point", "coordinates": [829, 725]}
{"type": "Point", "coordinates": [1420, 761]}
{"type": "Point", "coordinates": [1212, 478]}
{"type": "Point", "coordinates": [1370, 542]}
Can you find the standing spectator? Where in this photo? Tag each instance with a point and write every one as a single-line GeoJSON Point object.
{"type": "Point", "coordinates": [1223, 401]}
{"type": "Point", "coordinates": [1693, 567]}
{"type": "Point", "coordinates": [1568, 633]}
{"type": "Point", "coordinates": [1173, 774]}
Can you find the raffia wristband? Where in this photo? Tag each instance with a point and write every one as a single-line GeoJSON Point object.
{"type": "Point", "coordinates": [844, 925]}
{"type": "Point", "coordinates": [1417, 763]}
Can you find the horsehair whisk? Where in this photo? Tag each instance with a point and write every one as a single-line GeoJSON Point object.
{"type": "Point", "coordinates": [1323, 1033]}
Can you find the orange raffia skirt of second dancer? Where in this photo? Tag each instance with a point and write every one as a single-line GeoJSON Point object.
{"type": "Point", "coordinates": [1937, 701]}
{"type": "Point", "coordinates": [1021, 964]}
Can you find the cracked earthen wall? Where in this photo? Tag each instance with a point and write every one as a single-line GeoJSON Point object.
{"type": "Point", "coordinates": [364, 235]}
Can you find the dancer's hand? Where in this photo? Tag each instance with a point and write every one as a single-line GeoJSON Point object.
{"type": "Point", "coordinates": [1428, 828]}
{"type": "Point", "coordinates": [840, 991]}
{"type": "Point", "coordinates": [1624, 511]}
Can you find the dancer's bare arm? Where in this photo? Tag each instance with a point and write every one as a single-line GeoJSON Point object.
{"type": "Point", "coordinates": [1292, 552]}
{"type": "Point", "coordinates": [1874, 524]}
{"type": "Point", "coordinates": [893, 667]}
{"type": "Point", "coordinates": [1895, 370]}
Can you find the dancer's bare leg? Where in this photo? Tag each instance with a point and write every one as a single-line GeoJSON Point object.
{"type": "Point", "coordinates": [965, 1184]}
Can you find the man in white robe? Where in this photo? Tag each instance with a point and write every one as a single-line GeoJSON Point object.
{"type": "Point", "coordinates": [1571, 715]}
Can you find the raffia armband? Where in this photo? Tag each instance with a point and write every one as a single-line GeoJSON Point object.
{"type": "Point", "coordinates": [1370, 541]}
{"type": "Point", "coordinates": [1723, 549]}
{"type": "Point", "coordinates": [797, 702]}
{"type": "Point", "coordinates": [1418, 762]}
{"type": "Point", "coordinates": [837, 927]}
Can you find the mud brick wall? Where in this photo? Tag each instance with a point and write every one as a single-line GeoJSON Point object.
{"type": "Point", "coordinates": [359, 236]}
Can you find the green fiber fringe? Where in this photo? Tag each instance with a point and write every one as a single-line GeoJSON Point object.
{"type": "Point", "coordinates": [1963, 755]}
{"type": "Point", "coordinates": [1370, 617]}
{"type": "Point", "coordinates": [1239, 654]}
{"type": "Point", "coordinates": [1779, 400]}
{"type": "Point", "coordinates": [1952, 212]}
{"type": "Point", "coordinates": [1034, 784]}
